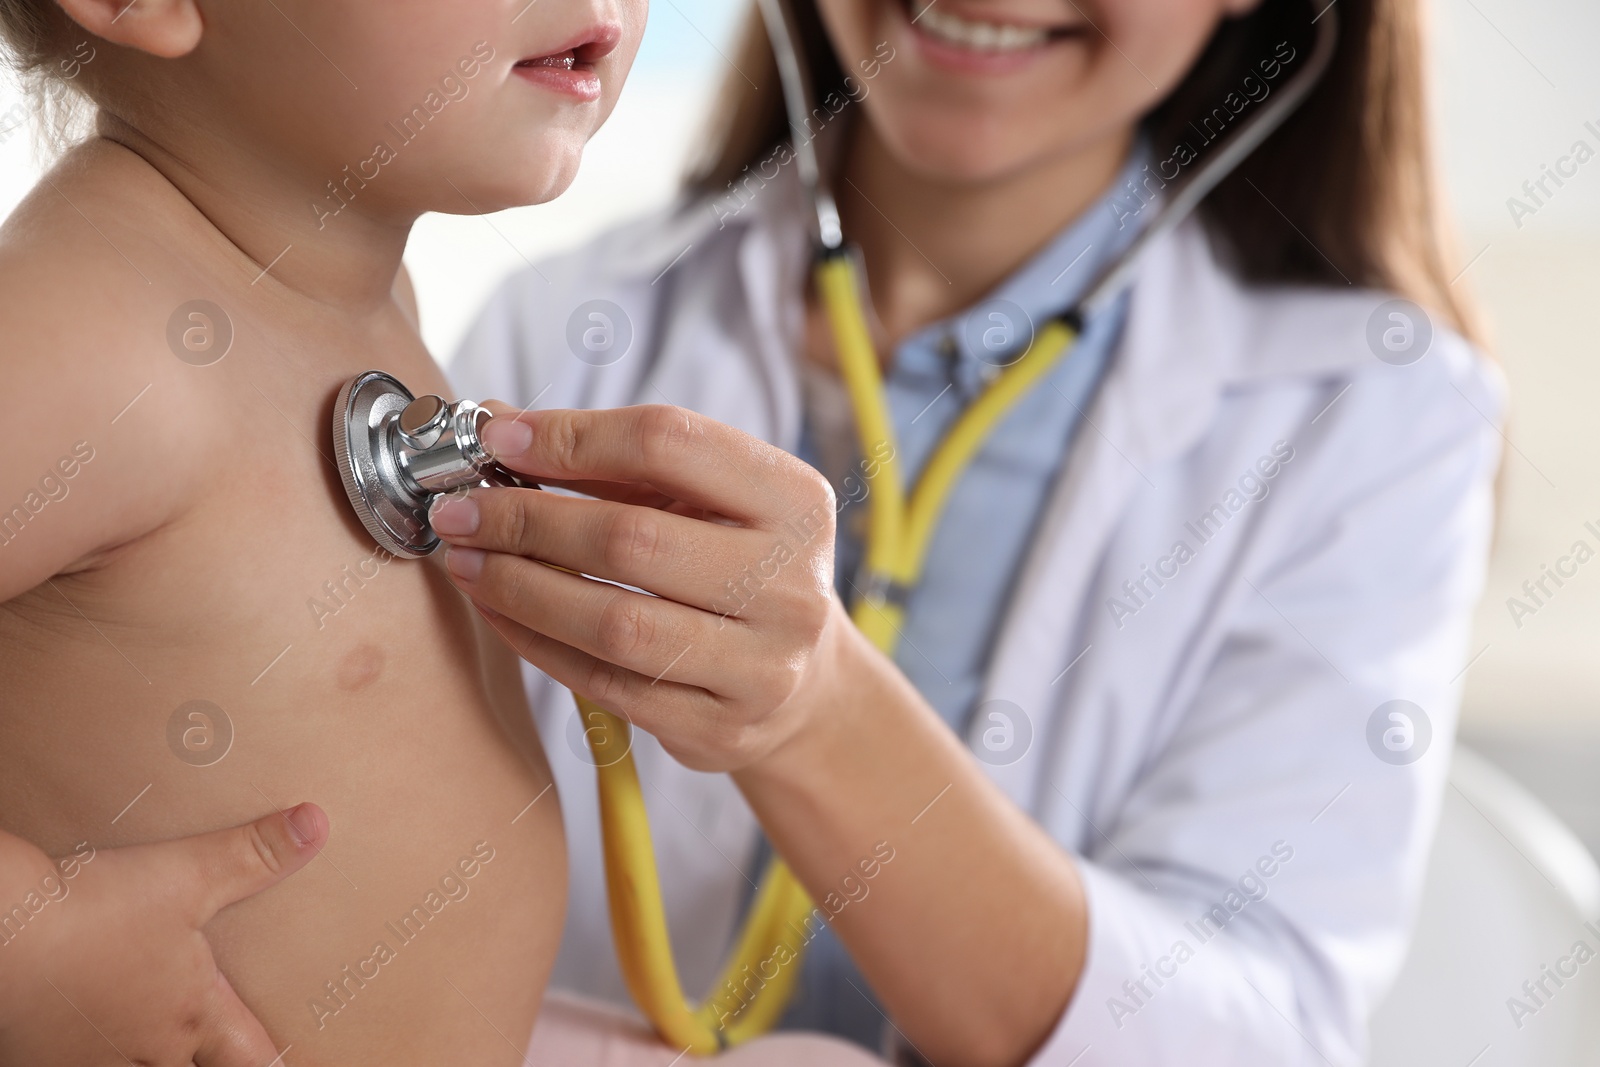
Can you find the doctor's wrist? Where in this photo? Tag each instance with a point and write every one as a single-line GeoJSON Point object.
{"type": "Point", "coordinates": [837, 682]}
{"type": "Point", "coordinates": [855, 691]}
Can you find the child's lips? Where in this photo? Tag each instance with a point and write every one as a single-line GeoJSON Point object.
{"type": "Point", "coordinates": [572, 70]}
{"type": "Point", "coordinates": [563, 73]}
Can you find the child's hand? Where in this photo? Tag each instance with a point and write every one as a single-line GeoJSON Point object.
{"type": "Point", "coordinates": [106, 963]}
{"type": "Point", "coordinates": [733, 537]}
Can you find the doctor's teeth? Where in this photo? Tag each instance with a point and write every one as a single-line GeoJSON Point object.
{"type": "Point", "coordinates": [978, 36]}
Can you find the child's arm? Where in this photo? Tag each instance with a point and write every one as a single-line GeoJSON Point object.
{"type": "Point", "coordinates": [101, 956]}
{"type": "Point", "coordinates": [97, 406]}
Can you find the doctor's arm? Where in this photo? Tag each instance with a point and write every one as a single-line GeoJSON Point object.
{"type": "Point", "coordinates": [987, 941]}
{"type": "Point", "coordinates": [744, 661]}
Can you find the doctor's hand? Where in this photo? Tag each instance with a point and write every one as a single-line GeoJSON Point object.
{"type": "Point", "coordinates": [107, 962]}
{"type": "Point", "coordinates": [726, 653]}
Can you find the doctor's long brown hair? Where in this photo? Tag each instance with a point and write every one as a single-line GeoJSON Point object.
{"type": "Point", "coordinates": [1350, 172]}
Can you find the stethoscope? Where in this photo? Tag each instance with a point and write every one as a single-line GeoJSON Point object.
{"type": "Point", "coordinates": [397, 452]}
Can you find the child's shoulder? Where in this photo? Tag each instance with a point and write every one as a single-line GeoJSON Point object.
{"type": "Point", "coordinates": [87, 302]}
{"type": "Point", "coordinates": [84, 271]}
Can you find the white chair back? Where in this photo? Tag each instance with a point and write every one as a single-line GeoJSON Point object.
{"type": "Point", "coordinates": [1504, 970]}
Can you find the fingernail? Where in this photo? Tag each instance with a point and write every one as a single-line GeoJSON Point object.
{"type": "Point", "coordinates": [464, 563]}
{"type": "Point", "coordinates": [453, 516]}
{"type": "Point", "coordinates": [507, 437]}
{"type": "Point", "coordinates": [302, 824]}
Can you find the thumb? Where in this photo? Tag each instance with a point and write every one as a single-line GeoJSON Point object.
{"type": "Point", "coordinates": [232, 1036]}
{"type": "Point", "coordinates": [225, 866]}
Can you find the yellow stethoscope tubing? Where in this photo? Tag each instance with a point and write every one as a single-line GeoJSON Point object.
{"type": "Point", "coordinates": [638, 918]}
{"type": "Point", "coordinates": [898, 533]}
{"type": "Point", "coordinates": [897, 542]}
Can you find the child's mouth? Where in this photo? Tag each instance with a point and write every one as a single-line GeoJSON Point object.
{"type": "Point", "coordinates": [572, 70]}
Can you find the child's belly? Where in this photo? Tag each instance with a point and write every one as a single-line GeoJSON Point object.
{"type": "Point", "coordinates": [236, 665]}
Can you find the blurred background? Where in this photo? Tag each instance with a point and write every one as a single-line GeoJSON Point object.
{"type": "Point", "coordinates": [1514, 85]}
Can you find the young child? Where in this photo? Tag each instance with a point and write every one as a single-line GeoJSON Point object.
{"type": "Point", "coordinates": [195, 629]}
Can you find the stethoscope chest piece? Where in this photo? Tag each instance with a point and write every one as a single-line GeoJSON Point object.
{"type": "Point", "coordinates": [396, 452]}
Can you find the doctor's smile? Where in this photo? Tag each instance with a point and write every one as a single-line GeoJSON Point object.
{"type": "Point", "coordinates": [900, 597]}
{"type": "Point", "coordinates": [984, 38]}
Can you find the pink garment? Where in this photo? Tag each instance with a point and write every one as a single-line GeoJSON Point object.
{"type": "Point", "coordinates": [573, 1032]}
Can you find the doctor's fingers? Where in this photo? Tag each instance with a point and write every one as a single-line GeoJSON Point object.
{"type": "Point", "coordinates": [695, 728]}
{"type": "Point", "coordinates": [661, 639]}
{"type": "Point", "coordinates": [681, 453]}
{"type": "Point", "coordinates": [641, 493]}
{"type": "Point", "coordinates": [693, 562]}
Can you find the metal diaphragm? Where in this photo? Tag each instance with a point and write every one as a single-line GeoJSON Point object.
{"type": "Point", "coordinates": [396, 452]}
{"type": "Point", "coordinates": [393, 511]}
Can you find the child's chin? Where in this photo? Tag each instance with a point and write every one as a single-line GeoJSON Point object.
{"type": "Point", "coordinates": [499, 187]}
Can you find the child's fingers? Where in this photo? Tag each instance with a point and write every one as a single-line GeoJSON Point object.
{"type": "Point", "coordinates": [225, 866]}
{"type": "Point", "coordinates": [233, 1036]}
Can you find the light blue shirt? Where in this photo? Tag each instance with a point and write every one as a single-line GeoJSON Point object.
{"type": "Point", "coordinates": [977, 549]}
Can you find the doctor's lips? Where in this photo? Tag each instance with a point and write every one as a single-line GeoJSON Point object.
{"type": "Point", "coordinates": [991, 40]}
{"type": "Point", "coordinates": [571, 68]}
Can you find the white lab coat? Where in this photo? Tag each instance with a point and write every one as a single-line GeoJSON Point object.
{"type": "Point", "coordinates": [1210, 726]}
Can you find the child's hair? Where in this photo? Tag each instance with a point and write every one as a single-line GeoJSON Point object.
{"type": "Point", "coordinates": [1342, 194]}
{"type": "Point", "coordinates": [28, 28]}
{"type": "Point", "coordinates": [32, 41]}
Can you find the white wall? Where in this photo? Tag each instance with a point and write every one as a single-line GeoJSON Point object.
{"type": "Point", "coordinates": [1514, 84]}
{"type": "Point", "coordinates": [1517, 83]}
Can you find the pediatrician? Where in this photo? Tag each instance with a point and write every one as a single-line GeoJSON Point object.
{"type": "Point", "coordinates": [1152, 772]}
